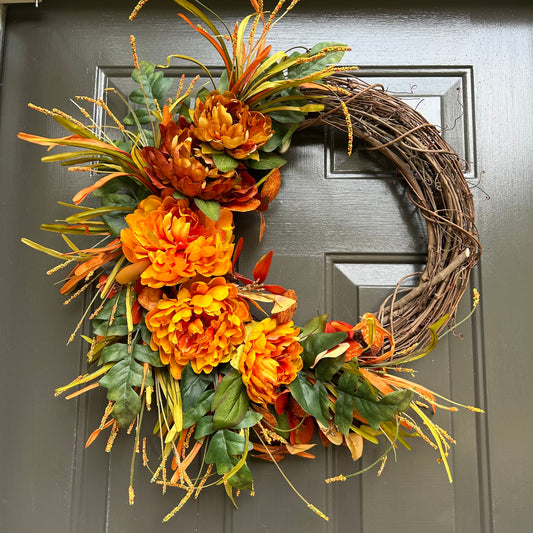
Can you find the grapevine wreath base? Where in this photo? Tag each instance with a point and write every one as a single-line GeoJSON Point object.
{"type": "Point", "coordinates": [178, 330]}
{"type": "Point", "coordinates": [434, 175]}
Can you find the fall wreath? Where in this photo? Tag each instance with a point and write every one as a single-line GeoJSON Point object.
{"type": "Point", "coordinates": [178, 330]}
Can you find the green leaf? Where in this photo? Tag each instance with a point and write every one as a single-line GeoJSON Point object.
{"type": "Point", "coordinates": [142, 114]}
{"type": "Point", "coordinates": [310, 67]}
{"type": "Point", "coordinates": [288, 116]}
{"type": "Point", "coordinates": [223, 447]}
{"type": "Point", "coordinates": [116, 222]}
{"type": "Point", "coordinates": [112, 186]}
{"type": "Point", "coordinates": [242, 479]}
{"type": "Point", "coordinates": [142, 75]}
{"type": "Point", "coordinates": [160, 86]}
{"type": "Point", "coordinates": [144, 354]}
{"type": "Point", "coordinates": [202, 94]}
{"type": "Point", "coordinates": [230, 402]}
{"type": "Point", "coordinates": [224, 162]}
{"type": "Point", "coordinates": [192, 386]}
{"type": "Point", "coordinates": [348, 382]}
{"type": "Point", "coordinates": [280, 130]}
{"type": "Point", "coordinates": [223, 83]}
{"type": "Point", "coordinates": [114, 353]}
{"type": "Point", "coordinates": [210, 208]}
{"type": "Point", "coordinates": [310, 397]}
{"type": "Point", "coordinates": [319, 342]}
{"type": "Point", "coordinates": [119, 381]}
{"type": "Point", "coordinates": [199, 409]}
{"type": "Point", "coordinates": [343, 412]}
{"type": "Point", "coordinates": [250, 419]}
{"type": "Point", "coordinates": [376, 411]}
{"type": "Point", "coordinates": [328, 367]}
{"type": "Point", "coordinates": [316, 325]}
{"type": "Point", "coordinates": [267, 161]}
{"type": "Point", "coordinates": [204, 427]}
{"type": "Point", "coordinates": [119, 327]}
{"type": "Point", "coordinates": [119, 200]}
{"type": "Point", "coordinates": [137, 97]}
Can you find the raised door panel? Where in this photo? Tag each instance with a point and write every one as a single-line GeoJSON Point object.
{"type": "Point", "coordinates": [343, 231]}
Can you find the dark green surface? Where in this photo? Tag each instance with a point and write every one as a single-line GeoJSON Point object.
{"type": "Point", "coordinates": [344, 232]}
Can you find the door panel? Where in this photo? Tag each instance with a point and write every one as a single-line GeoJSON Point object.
{"type": "Point", "coordinates": [343, 232]}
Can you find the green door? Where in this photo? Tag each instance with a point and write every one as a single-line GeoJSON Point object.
{"type": "Point", "coordinates": [343, 232]}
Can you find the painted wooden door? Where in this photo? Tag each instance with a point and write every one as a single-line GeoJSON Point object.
{"type": "Point", "coordinates": [343, 232]}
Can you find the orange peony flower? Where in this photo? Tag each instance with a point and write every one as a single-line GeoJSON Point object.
{"type": "Point", "coordinates": [204, 325]}
{"type": "Point", "coordinates": [227, 124]}
{"type": "Point", "coordinates": [177, 241]}
{"type": "Point", "coordinates": [270, 358]}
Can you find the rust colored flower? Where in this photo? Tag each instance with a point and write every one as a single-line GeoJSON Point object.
{"type": "Point", "coordinates": [227, 124]}
{"type": "Point", "coordinates": [204, 325]}
{"type": "Point", "coordinates": [270, 358]}
{"type": "Point", "coordinates": [179, 164]}
{"type": "Point", "coordinates": [177, 241]}
{"type": "Point", "coordinates": [366, 339]}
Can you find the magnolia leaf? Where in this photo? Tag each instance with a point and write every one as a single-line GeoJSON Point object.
{"type": "Point", "coordinates": [230, 402]}
{"type": "Point", "coordinates": [295, 449]}
{"type": "Point", "coordinates": [282, 303]}
{"type": "Point", "coordinates": [328, 367]}
{"type": "Point", "coordinates": [277, 139]}
{"type": "Point", "coordinates": [119, 200]}
{"type": "Point", "coordinates": [198, 409]}
{"type": "Point", "coordinates": [144, 354]}
{"type": "Point", "coordinates": [116, 222]}
{"type": "Point", "coordinates": [319, 342]}
{"type": "Point", "coordinates": [376, 411]}
{"type": "Point", "coordinates": [224, 162]}
{"type": "Point", "coordinates": [192, 386]}
{"type": "Point", "coordinates": [119, 327]}
{"type": "Point", "coordinates": [316, 325]}
{"type": "Point", "coordinates": [209, 208]}
{"type": "Point", "coordinates": [310, 397]}
{"type": "Point", "coordinates": [204, 427]}
{"type": "Point", "coordinates": [331, 432]}
{"type": "Point", "coordinates": [335, 352]}
{"type": "Point", "coordinates": [267, 161]}
{"type": "Point", "coordinates": [250, 419]}
{"type": "Point", "coordinates": [355, 445]}
{"type": "Point", "coordinates": [344, 412]}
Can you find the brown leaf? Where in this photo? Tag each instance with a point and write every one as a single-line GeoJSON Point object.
{"type": "Point", "coordinates": [354, 442]}
{"type": "Point", "coordinates": [331, 432]}
{"type": "Point", "coordinates": [287, 314]}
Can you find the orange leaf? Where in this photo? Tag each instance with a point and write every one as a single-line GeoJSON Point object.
{"type": "Point", "coordinates": [236, 253]}
{"type": "Point", "coordinates": [81, 195]}
{"type": "Point", "coordinates": [132, 272]}
{"type": "Point", "coordinates": [262, 267]}
{"type": "Point", "coordinates": [354, 441]}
